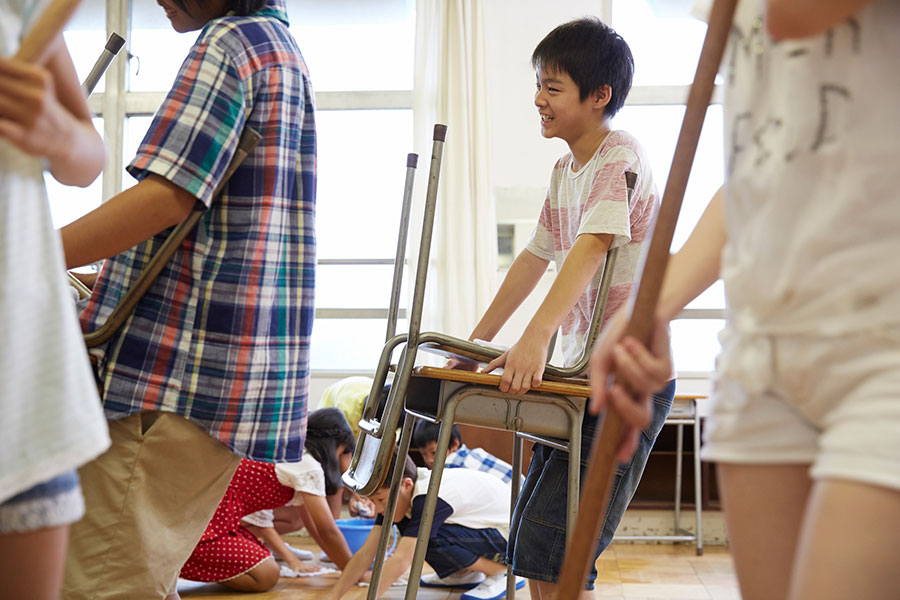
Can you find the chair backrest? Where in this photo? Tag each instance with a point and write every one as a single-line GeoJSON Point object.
{"type": "Point", "coordinates": [446, 345]}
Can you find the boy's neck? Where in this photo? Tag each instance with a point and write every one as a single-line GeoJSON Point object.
{"type": "Point", "coordinates": [586, 146]}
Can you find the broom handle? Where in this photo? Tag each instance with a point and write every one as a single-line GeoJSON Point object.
{"type": "Point", "coordinates": [601, 467]}
{"type": "Point", "coordinates": [39, 39]}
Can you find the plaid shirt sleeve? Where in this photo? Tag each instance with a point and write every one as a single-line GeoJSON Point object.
{"type": "Point", "coordinates": [195, 131]}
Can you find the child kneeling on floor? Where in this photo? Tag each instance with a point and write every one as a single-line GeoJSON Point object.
{"type": "Point", "coordinates": [468, 535]}
{"type": "Point", "coordinates": [239, 554]}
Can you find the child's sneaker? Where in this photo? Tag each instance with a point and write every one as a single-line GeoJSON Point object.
{"type": "Point", "coordinates": [465, 580]}
{"type": "Point", "coordinates": [492, 588]}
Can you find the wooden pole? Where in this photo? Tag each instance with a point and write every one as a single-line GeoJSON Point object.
{"type": "Point", "coordinates": [50, 24]}
{"type": "Point", "coordinates": [596, 485]}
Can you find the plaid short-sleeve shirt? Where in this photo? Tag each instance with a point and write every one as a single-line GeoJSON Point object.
{"type": "Point", "coordinates": [222, 336]}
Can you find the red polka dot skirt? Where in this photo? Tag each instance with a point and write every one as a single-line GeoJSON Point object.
{"type": "Point", "coordinates": [227, 549]}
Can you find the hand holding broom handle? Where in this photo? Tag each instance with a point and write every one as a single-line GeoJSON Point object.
{"type": "Point", "coordinates": [596, 486]}
{"type": "Point", "coordinates": [38, 40]}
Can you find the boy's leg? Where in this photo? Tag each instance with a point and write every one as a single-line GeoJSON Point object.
{"type": "Point", "coordinates": [764, 507]}
{"type": "Point", "coordinates": [454, 548]}
{"type": "Point", "coordinates": [34, 527]}
{"type": "Point", "coordinates": [149, 499]}
{"type": "Point", "coordinates": [539, 544]}
{"type": "Point", "coordinates": [848, 546]}
{"type": "Point", "coordinates": [31, 563]}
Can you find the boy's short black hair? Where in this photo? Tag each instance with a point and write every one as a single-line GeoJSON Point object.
{"type": "Point", "coordinates": [240, 7]}
{"type": "Point", "coordinates": [425, 433]}
{"type": "Point", "coordinates": [592, 54]}
{"type": "Point", "coordinates": [409, 470]}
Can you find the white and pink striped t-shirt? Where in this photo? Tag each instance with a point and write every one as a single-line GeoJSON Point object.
{"type": "Point", "coordinates": [613, 193]}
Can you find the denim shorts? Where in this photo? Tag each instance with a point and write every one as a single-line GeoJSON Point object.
{"type": "Point", "coordinates": [453, 548]}
{"type": "Point", "coordinates": [537, 539]}
{"type": "Point", "coordinates": [49, 504]}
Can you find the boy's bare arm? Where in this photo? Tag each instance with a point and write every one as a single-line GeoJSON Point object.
{"type": "Point", "coordinates": [396, 564]}
{"type": "Point", "coordinates": [524, 362]}
{"type": "Point", "coordinates": [44, 113]}
{"type": "Point", "coordinates": [520, 280]}
{"type": "Point", "coordinates": [805, 18]}
{"type": "Point", "coordinates": [358, 565]}
{"type": "Point", "coordinates": [126, 220]}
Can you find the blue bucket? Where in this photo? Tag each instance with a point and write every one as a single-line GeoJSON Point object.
{"type": "Point", "coordinates": [357, 530]}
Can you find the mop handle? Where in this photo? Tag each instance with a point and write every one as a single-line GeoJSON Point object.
{"type": "Point", "coordinates": [601, 468]}
{"type": "Point", "coordinates": [38, 40]}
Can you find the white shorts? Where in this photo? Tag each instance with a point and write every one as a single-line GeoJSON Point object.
{"type": "Point", "coordinates": [833, 403]}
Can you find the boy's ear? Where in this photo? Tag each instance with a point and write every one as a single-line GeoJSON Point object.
{"type": "Point", "coordinates": [602, 96]}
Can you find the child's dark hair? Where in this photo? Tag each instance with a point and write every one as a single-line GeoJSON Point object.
{"type": "Point", "coordinates": [326, 430]}
{"type": "Point", "coordinates": [592, 54]}
{"type": "Point", "coordinates": [409, 470]}
{"type": "Point", "coordinates": [426, 432]}
{"type": "Point", "coordinates": [241, 8]}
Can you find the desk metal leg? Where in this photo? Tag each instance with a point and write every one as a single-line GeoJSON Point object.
{"type": "Point", "coordinates": [698, 497]}
{"type": "Point", "coordinates": [679, 454]}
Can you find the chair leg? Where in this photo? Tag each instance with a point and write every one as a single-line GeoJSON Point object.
{"type": "Point", "coordinates": [574, 475]}
{"type": "Point", "coordinates": [516, 485]}
{"type": "Point", "coordinates": [388, 526]}
{"type": "Point", "coordinates": [434, 484]}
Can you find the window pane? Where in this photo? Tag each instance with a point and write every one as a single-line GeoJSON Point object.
{"type": "Point", "coordinates": [85, 37]}
{"type": "Point", "coordinates": [330, 35]}
{"type": "Point", "coordinates": [657, 128]}
{"type": "Point", "coordinates": [356, 286]}
{"type": "Point", "coordinates": [156, 48]}
{"type": "Point", "coordinates": [135, 128]}
{"type": "Point", "coordinates": [349, 344]}
{"type": "Point", "coordinates": [695, 344]}
{"type": "Point", "coordinates": [67, 203]}
{"type": "Point", "coordinates": [361, 170]}
{"type": "Point", "coordinates": [356, 44]}
{"type": "Point", "coordinates": [664, 39]}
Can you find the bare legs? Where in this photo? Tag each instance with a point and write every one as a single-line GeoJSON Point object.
{"type": "Point", "coordinates": [793, 539]}
{"type": "Point", "coordinates": [31, 563]}
{"type": "Point", "coordinates": [763, 512]}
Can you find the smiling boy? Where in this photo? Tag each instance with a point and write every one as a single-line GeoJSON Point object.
{"type": "Point", "coordinates": [601, 196]}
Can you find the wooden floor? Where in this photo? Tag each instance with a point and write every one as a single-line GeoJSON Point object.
{"type": "Point", "coordinates": [626, 572]}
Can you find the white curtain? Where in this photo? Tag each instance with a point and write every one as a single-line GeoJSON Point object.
{"type": "Point", "coordinates": [451, 88]}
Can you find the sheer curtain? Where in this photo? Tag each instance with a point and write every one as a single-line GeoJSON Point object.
{"type": "Point", "coordinates": [451, 88]}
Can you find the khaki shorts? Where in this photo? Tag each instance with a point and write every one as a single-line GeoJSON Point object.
{"type": "Point", "coordinates": [831, 403]}
{"type": "Point", "coordinates": [148, 500]}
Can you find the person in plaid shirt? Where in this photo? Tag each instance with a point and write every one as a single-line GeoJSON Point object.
{"type": "Point", "coordinates": [425, 436]}
{"type": "Point", "coordinates": [213, 364]}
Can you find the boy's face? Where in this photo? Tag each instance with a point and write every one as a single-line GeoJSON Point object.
{"type": "Point", "coordinates": [380, 499]}
{"type": "Point", "coordinates": [430, 449]}
{"type": "Point", "coordinates": [563, 114]}
{"type": "Point", "coordinates": [197, 15]}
